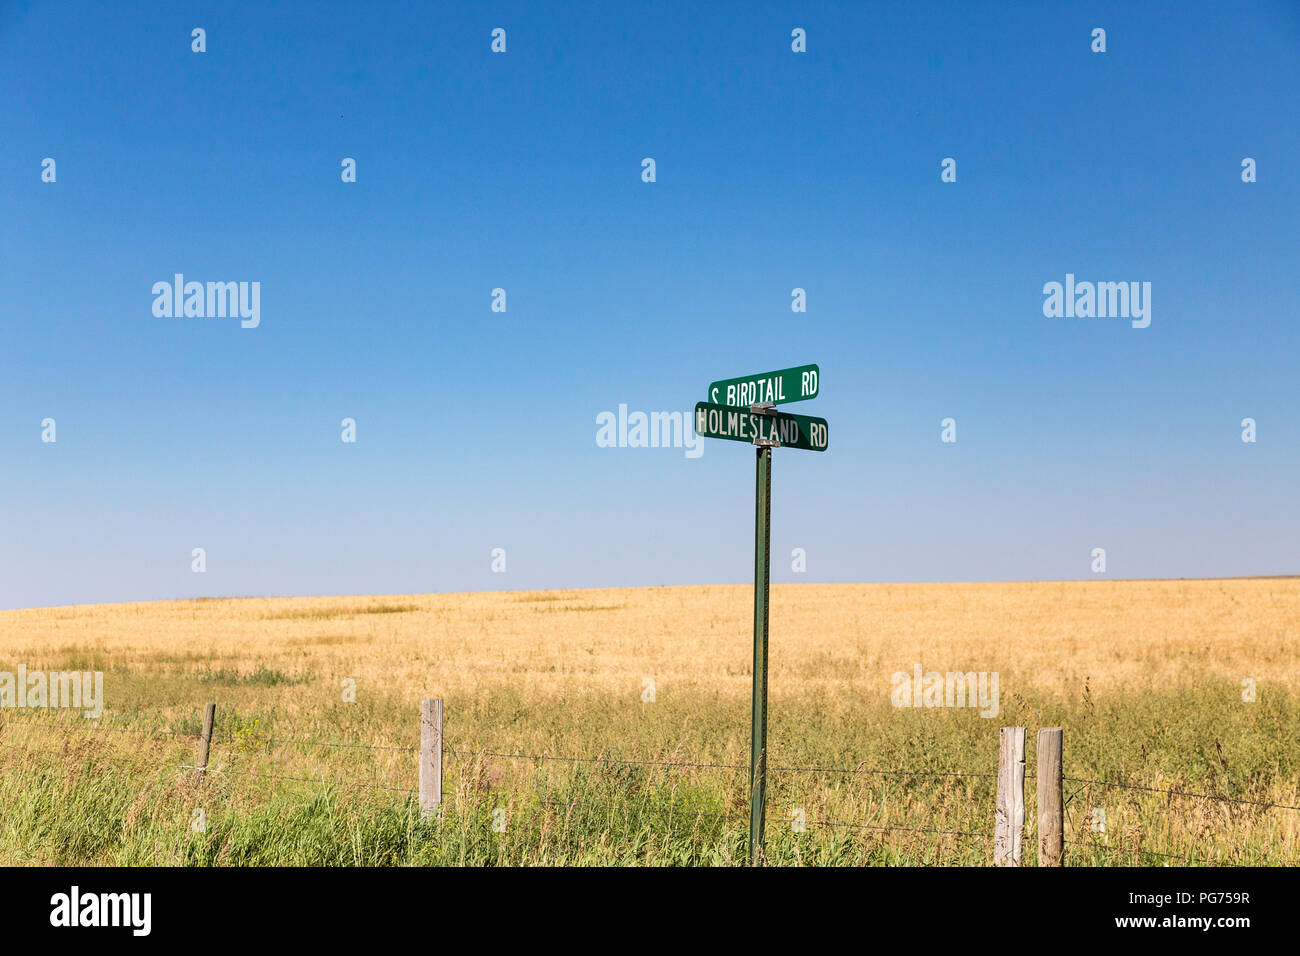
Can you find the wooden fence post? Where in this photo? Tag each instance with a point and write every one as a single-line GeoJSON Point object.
{"type": "Point", "coordinates": [1051, 806]}
{"type": "Point", "coordinates": [205, 738]}
{"type": "Point", "coordinates": [430, 755]}
{"type": "Point", "coordinates": [1010, 826]}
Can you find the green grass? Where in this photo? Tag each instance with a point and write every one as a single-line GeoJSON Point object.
{"type": "Point", "coordinates": [261, 677]}
{"type": "Point", "coordinates": [73, 794]}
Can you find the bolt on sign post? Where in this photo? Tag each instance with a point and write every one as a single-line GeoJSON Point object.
{"type": "Point", "coordinates": [749, 415]}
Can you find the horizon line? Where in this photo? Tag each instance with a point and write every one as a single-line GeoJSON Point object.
{"type": "Point", "coordinates": [633, 587]}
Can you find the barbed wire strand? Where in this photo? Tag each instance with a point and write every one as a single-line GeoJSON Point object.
{"type": "Point", "coordinates": [1184, 793]}
{"type": "Point", "coordinates": [869, 826]}
{"type": "Point", "coordinates": [596, 760]}
{"type": "Point", "coordinates": [273, 741]}
{"type": "Point", "coordinates": [50, 726]}
{"type": "Point", "coordinates": [121, 759]}
{"type": "Point", "coordinates": [198, 735]}
{"type": "Point", "coordinates": [318, 781]}
{"type": "Point", "coordinates": [901, 773]}
{"type": "Point", "coordinates": [712, 766]}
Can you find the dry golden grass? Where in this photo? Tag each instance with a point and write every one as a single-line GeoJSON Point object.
{"type": "Point", "coordinates": [1144, 675]}
{"type": "Point", "coordinates": [825, 638]}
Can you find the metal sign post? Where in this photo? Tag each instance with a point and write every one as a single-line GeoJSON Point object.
{"type": "Point", "coordinates": [758, 723]}
{"type": "Point", "coordinates": [749, 415]}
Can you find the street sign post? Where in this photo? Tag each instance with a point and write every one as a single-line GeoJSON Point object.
{"type": "Point", "coordinates": [758, 703]}
{"type": "Point", "coordinates": [746, 414]}
{"type": "Point", "coordinates": [786, 385]}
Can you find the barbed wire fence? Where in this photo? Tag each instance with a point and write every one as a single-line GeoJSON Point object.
{"type": "Point", "coordinates": [257, 743]}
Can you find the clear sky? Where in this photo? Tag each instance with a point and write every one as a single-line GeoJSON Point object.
{"type": "Point", "coordinates": [522, 170]}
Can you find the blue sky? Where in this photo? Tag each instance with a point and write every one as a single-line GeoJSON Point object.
{"type": "Point", "coordinates": [774, 170]}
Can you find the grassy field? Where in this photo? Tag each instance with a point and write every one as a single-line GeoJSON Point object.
{"type": "Point", "coordinates": [1145, 677]}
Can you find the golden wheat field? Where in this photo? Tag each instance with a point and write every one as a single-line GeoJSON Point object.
{"type": "Point", "coordinates": [1148, 678]}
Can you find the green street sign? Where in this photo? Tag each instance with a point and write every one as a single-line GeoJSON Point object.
{"type": "Point", "coordinates": [786, 385]}
{"type": "Point", "coordinates": [776, 428]}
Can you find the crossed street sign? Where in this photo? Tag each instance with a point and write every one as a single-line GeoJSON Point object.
{"type": "Point", "coordinates": [743, 409]}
